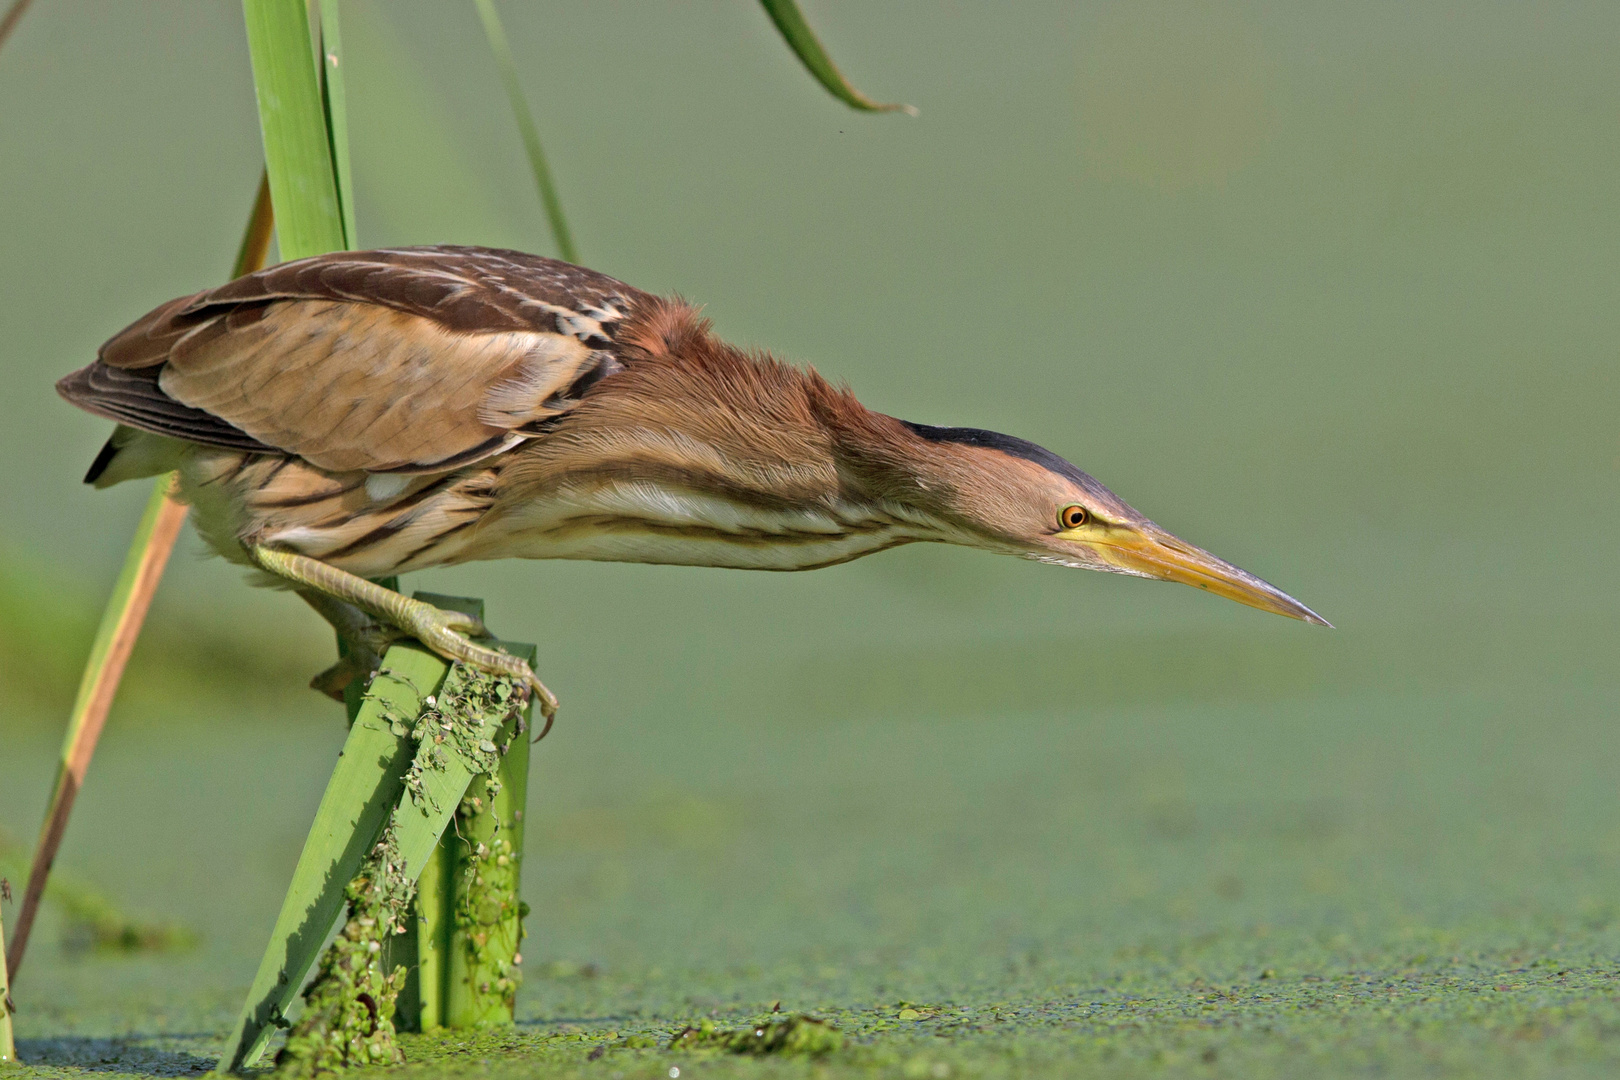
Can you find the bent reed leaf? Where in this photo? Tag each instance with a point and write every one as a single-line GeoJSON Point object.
{"type": "Point", "coordinates": [807, 47]}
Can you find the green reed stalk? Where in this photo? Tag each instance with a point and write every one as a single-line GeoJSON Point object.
{"type": "Point", "coordinates": [334, 103]}
{"type": "Point", "coordinates": [549, 198]}
{"type": "Point", "coordinates": [298, 145]}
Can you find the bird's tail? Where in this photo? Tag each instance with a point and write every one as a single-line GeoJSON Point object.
{"type": "Point", "coordinates": [130, 454]}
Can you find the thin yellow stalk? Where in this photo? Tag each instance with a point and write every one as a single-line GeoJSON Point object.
{"type": "Point", "coordinates": [8, 1044]}
{"type": "Point", "coordinates": [115, 638]}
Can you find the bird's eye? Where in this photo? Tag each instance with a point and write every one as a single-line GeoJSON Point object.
{"type": "Point", "coordinates": [1072, 517]}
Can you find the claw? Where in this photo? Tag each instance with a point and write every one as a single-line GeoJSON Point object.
{"type": "Point", "coordinates": [547, 700]}
{"type": "Point", "coordinates": [335, 679]}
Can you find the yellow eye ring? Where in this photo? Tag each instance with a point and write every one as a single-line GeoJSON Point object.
{"type": "Point", "coordinates": [1072, 517]}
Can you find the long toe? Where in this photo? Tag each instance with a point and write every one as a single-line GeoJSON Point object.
{"type": "Point", "coordinates": [438, 630]}
{"type": "Point", "coordinates": [462, 623]}
{"type": "Point", "coordinates": [506, 664]}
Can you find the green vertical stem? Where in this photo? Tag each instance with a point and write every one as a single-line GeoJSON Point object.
{"type": "Point", "coordinates": [486, 938]}
{"type": "Point", "coordinates": [435, 910]}
{"type": "Point", "coordinates": [526, 128]}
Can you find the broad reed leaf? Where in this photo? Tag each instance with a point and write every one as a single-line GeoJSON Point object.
{"type": "Point", "coordinates": [366, 786]}
{"type": "Point", "coordinates": [808, 48]}
{"type": "Point", "coordinates": [507, 69]}
{"type": "Point", "coordinates": [292, 119]}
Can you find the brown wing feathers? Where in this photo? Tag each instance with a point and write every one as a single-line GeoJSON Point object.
{"type": "Point", "coordinates": [413, 360]}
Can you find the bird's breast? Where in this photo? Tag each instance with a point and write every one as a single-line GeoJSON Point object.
{"type": "Point", "coordinates": [648, 522]}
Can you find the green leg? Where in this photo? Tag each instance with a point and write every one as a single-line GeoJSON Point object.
{"type": "Point", "coordinates": [441, 631]}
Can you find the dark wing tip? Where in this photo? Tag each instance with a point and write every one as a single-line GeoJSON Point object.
{"type": "Point", "coordinates": [103, 459]}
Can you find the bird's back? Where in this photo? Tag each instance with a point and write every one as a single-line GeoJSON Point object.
{"type": "Point", "coordinates": [405, 360]}
{"type": "Point", "coordinates": [396, 409]}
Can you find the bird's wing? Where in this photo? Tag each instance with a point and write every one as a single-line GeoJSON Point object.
{"type": "Point", "coordinates": [405, 360]}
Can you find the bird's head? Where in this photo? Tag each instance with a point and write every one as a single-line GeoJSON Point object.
{"type": "Point", "coordinates": [1000, 493]}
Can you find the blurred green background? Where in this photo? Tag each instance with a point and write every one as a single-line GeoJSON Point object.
{"type": "Point", "coordinates": [1327, 289]}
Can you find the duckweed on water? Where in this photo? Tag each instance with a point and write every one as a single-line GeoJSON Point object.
{"type": "Point", "coordinates": [804, 1035]}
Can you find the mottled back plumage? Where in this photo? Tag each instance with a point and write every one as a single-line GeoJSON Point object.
{"type": "Point", "coordinates": [411, 360]}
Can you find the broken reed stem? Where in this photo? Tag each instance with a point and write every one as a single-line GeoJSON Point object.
{"type": "Point", "coordinates": [460, 734]}
{"type": "Point", "coordinates": [120, 627]}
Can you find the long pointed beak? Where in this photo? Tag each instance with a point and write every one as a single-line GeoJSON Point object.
{"type": "Point", "coordinates": [1152, 552]}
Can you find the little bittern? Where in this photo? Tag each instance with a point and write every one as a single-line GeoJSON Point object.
{"type": "Point", "coordinates": [365, 413]}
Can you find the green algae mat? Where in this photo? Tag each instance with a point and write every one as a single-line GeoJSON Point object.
{"type": "Point", "coordinates": [1289, 872]}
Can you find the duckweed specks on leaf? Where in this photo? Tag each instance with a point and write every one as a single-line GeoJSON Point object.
{"type": "Point", "coordinates": [348, 1016]}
